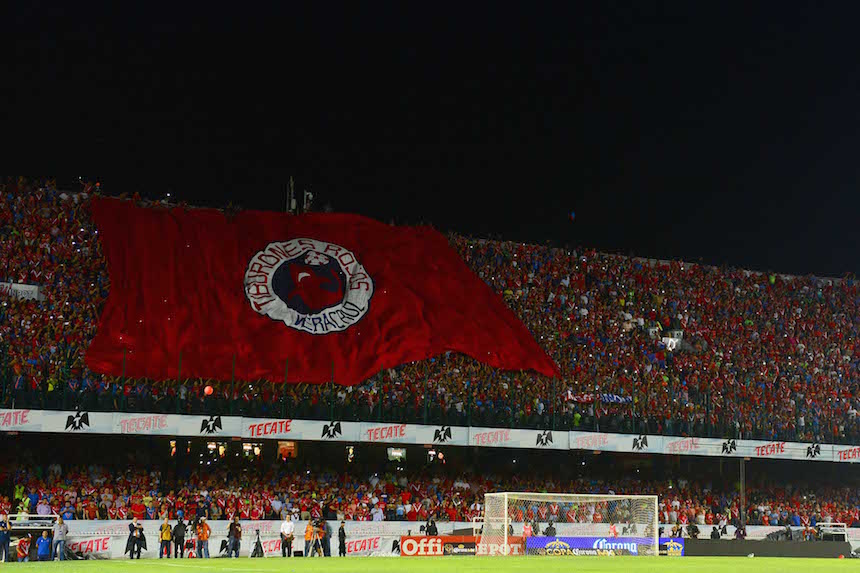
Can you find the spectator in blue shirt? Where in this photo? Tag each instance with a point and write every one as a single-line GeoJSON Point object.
{"type": "Point", "coordinates": [33, 497]}
{"type": "Point", "coordinates": [43, 545]}
{"type": "Point", "coordinates": [68, 512]}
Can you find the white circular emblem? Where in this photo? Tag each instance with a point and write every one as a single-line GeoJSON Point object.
{"type": "Point", "coordinates": [309, 285]}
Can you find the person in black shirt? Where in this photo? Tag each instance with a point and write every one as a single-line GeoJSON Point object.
{"type": "Point", "coordinates": [432, 530]}
{"type": "Point", "coordinates": [715, 534]}
{"type": "Point", "coordinates": [179, 539]}
{"type": "Point", "coordinates": [5, 534]}
{"type": "Point", "coordinates": [326, 540]}
{"type": "Point", "coordinates": [136, 539]}
{"type": "Point", "coordinates": [341, 540]}
{"type": "Point", "coordinates": [550, 530]}
{"type": "Point", "coordinates": [693, 531]}
{"type": "Point", "coordinates": [234, 537]}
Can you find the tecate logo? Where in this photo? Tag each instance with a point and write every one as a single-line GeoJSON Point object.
{"type": "Point", "coordinates": [424, 546]}
{"type": "Point", "coordinates": [633, 548]}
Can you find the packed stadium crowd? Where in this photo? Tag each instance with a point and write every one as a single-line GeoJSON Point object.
{"type": "Point", "coordinates": [644, 346]}
{"type": "Point", "coordinates": [94, 492]}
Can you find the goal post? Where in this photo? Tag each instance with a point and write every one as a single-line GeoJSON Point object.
{"type": "Point", "coordinates": [526, 523]}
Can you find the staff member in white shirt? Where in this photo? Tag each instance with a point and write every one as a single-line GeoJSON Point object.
{"type": "Point", "coordinates": [288, 529]}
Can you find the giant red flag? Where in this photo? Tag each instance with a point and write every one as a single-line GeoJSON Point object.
{"type": "Point", "coordinates": [327, 295]}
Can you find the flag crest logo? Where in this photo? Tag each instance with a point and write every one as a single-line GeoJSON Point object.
{"type": "Point", "coordinates": [310, 285]}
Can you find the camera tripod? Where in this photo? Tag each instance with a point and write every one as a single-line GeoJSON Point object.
{"type": "Point", "coordinates": [316, 544]}
{"type": "Point", "coordinates": [258, 547]}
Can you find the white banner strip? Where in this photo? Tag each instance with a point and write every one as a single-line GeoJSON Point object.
{"type": "Point", "coordinates": [22, 291]}
{"type": "Point", "coordinates": [417, 434]}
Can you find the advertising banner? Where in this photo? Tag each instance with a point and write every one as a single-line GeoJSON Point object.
{"type": "Point", "coordinates": [447, 545]}
{"type": "Point", "coordinates": [22, 291]}
{"type": "Point", "coordinates": [643, 444]}
{"type": "Point", "coordinates": [287, 429]}
{"type": "Point", "coordinates": [414, 434]}
{"type": "Point", "coordinates": [146, 424]}
{"type": "Point", "coordinates": [423, 546]}
{"type": "Point", "coordinates": [107, 539]}
{"type": "Point", "coordinates": [460, 548]}
{"type": "Point", "coordinates": [672, 546]}
{"type": "Point", "coordinates": [580, 546]}
{"type": "Point", "coordinates": [514, 438]}
{"type": "Point", "coordinates": [514, 547]}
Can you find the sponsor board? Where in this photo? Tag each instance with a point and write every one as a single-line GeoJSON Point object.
{"type": "Point", "coordinates": [423, 546]}
{"type": "Point", "coordinates": [605, 442]}
{"type": "Point", "coordinates": [364, 546]}
{"type": "Point", "coordinates": [90, 545]}
{"type": "Point", "coordinates": [50, 421]}
{"type": "Point", "coordinates": [513, 547]}
{"type": "Point", "coordinates": [15, 419]}
{"type": "Point", "coordinates": [729, 447]}
{"type": "Point", "coordinates": [849, 454]}
{"type": "Point", "coordinates": [556, 547]}
{"type": "Point", "coordinates": [604, 546]}
{"type": "Point", "coordinates": [411, 546]}
{"type": "Point", "coordinates": [462, 548]}
{"type": "Point", "coordinates": [672, 546]}
{"type": "Point", "coordinates": [107, 539]}
{"type": "Point", "coordinates": [516, 438]}
{"type": "Point", "coordinates": [288, 429]}
{"type": "Point", "coordinates": [22, 291]}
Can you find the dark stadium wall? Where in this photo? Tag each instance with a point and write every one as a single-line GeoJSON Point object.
{"type": "Point", "coordinates": [765, 548]}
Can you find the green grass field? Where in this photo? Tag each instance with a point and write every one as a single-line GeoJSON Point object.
{"type": "Point", "coordinates": [458, 565]}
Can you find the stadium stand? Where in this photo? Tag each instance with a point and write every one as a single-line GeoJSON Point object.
{"type": "Point", "coordinates": [99, 492]}
{"type": "Point", "coordinates": [660, 347]}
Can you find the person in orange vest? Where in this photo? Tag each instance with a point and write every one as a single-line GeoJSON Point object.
{"type": "Point", "coordinates": [527, 529]}
{"type": "Point", "coordinates": [203, 531]}
{"type": "Point", "coordinates": [613, 531]}
{"type": "Point", "coordinates": [309, 535]}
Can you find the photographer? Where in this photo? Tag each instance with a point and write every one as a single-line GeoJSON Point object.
{"type": "Point", "coordinates": [715, 534]}
{"type": "Point", "coordinates": [693, 531]}
{"type": "Point", "coordinates": [234, 537]}
{"type": "Point", "coordinates": [319, 535]}
{"type": "Point", "coordinates": [326, 538]}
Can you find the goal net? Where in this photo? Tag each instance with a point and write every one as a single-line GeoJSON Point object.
{"type": "Point", "coordinates": [523, 523]}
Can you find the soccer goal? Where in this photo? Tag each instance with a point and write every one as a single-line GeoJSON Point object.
{"type": "Point", "coordinates": [523, 523]}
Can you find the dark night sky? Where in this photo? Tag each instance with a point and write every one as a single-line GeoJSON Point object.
{"type": "Point", "coordinates": [730, 135]}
